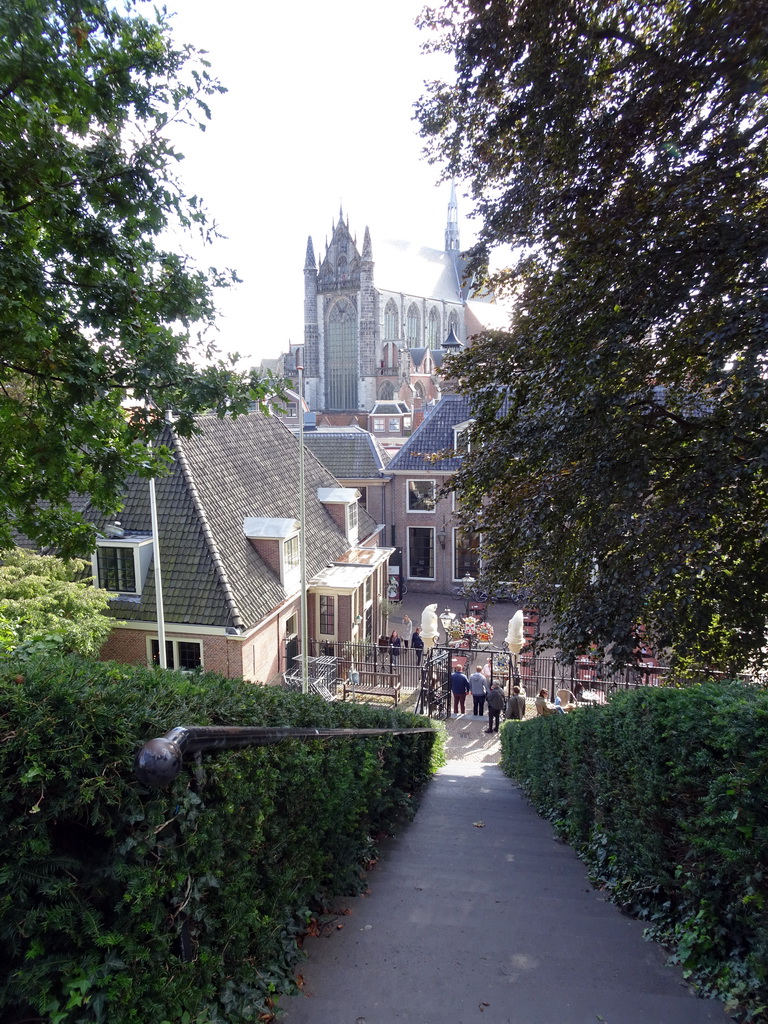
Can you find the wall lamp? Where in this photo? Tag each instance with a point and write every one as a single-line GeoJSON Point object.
{"type": "Point", "coordinates": [441, 535]}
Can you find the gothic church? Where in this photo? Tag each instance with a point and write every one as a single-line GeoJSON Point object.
{"type": "Point", "coordinates": [378, 321]}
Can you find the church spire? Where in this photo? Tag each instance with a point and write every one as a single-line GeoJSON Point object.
{"type": "Point", "coordinates": [452, 224]}
{"type": "Point", "coordinates": [309, 262]}
{"type": "Point", "coordinates": [367, 247]}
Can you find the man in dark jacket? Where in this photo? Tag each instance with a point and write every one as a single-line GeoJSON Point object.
{"type": "Point", "coordinates": [495, 704]}
{"type": "Point", "coordinates": [516, 704]}
{"type": "Point", "coordinates": [459, 689]}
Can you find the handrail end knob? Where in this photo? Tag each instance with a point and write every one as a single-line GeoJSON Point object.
{"type": "Point", "coordinates": [158, 763]}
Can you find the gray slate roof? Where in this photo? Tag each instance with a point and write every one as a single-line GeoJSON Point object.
{"type": "Point", "coordinates": [350, 453]}
{"type": "Point", "coordinates": [231, 470]}
{"type": "Point", "coordinates": [434, 434]}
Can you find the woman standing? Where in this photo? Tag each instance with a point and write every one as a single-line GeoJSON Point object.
{"type": "Point", "coordinates": [395, 644]}
{"type": "Point", "coordinates": [407, 631]}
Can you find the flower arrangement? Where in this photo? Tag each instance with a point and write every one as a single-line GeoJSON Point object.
{"type": "Point", "coordinates": [472, 627]}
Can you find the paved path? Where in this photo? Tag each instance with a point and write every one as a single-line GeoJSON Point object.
{"type": "Point", "coordinates": [477, 915]}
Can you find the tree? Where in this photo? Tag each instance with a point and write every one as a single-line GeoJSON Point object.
{"type": "Point", "coordinates": [95, 311]}
{"type": "Point", "coordinates": [619, 446]}
{"type": "Point", "coordinates": [42, 597]}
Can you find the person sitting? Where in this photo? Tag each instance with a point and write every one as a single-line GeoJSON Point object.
{"type": "Point", "coordinates": [544, 707]}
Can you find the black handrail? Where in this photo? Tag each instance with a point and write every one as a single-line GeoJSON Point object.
{"type": "Point", "coordinates": [160, 760]}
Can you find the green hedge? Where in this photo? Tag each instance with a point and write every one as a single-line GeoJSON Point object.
{"type": "Point", "coordinates": [121, 904]}
{"type": "Point", "coordinates": [664, 793]}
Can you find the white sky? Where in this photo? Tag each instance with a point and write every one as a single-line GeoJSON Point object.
{"type": "Point", "coordinates": [318, 113]}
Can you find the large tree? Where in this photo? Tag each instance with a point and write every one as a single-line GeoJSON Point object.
{"type": "Point", "coordinates": [619, 449]}
{"type": "Point", "coordinates": [96, 308]}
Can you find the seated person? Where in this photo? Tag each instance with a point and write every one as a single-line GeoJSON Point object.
{"type": "Point", "coordinates": [543, 706]}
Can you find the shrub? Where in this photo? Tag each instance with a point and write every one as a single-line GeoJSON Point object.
{"type": "Point", "coordinates": [663, 793]}
{"type": "Point", "coordinates": [123, 904]}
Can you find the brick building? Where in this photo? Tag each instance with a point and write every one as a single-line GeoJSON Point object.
{"type": "Point", "coordinates": [229, 539]}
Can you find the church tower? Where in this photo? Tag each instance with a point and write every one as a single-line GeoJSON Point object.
{"type": "Point", "coordinates": [452, 225]}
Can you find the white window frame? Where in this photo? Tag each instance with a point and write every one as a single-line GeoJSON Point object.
{"type": "Point", "coordinates": [141, 550]}
{"type": "Point", "coordinates": [420, 480]}
{"type": "Point", "coordinates": [434, 560]}
{"type": "Point", "coordinates": [459, 432]}
{"type": "Point", "coordinates": [378, 424]}
{"type": "Point", "coordinates": [320, 599]}
{"type": "Point", "coordinates": [175, 641]}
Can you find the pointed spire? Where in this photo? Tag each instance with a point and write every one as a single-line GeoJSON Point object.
{"type": "Point", "coordinates": [309, 262]}
{"type": "Point", "coordinates": [367, 247]}
{"type": "Point", "coordinates": [452, 224]}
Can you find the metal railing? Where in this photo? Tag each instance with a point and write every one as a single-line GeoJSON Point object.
{"type": "Point", "coordinates": [160, 760]}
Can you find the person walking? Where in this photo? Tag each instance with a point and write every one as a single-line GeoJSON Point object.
{"type": "Point", "coordinates": [407, 631]}
{"type": "Point", "coordinates": [459, 689]}
{"type": "Point", "coordinates": [495, 704]}
{"type": "Point", "coordinates": [479, 688]}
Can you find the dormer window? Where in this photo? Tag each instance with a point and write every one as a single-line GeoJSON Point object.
{"type": "Point", "coordinates": [341, 502]}
{"type": "Point", "coordinates": [462, 437]}
{"type": "Point", "coordinates": [120, 564]}
{"type": "Point", "coordinates": [277, 543]}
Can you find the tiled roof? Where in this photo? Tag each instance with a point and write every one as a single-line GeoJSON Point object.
{"type": "Point", "coordinates": [348, 454]}
{"type": "Point", "coordinates": [434, 434]}
{"type": "Point", "coordinates": [229, 471]}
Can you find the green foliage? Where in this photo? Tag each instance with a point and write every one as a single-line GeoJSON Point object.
{"type": "Point", "coordinates": [663, 793]}
{"type": "Point", "coordinates": [619, 448]}
{"type": "Point", "coordinates": [45, 599]}
{"type": "Point", "coordinates": [123, 905]}
{"type": "Point", "coordinates": [95, 310]}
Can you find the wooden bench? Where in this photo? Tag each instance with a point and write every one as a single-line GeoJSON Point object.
{"type": "Point", "coordinates": [374, 684]}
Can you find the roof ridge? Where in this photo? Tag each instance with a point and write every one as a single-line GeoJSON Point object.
{"type": "Point", "coordinates": [216, 558]}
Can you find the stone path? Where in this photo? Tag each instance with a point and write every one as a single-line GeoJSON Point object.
{"type": "Point", "coordinates": [476, 914]}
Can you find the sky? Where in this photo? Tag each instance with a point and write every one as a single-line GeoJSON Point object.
{"type": "Point", "coordinates": [318, 116]}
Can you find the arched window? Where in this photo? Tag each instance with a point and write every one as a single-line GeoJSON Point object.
{"type": "Point", "coordinates": [341, 358]}
{"type": "Point", "coordinates": [453, 322]}
{"type": "Point", "coordinates": [390, 320]}
{"type": "Point", "coordinates": [418, 389]}
{"type": "Point", "coordinates": [390, 355]}
{"type": "Point", "coordinates": [412, 326]}
{"type": "Point", "coordinates": [433, 329]}
{"type": "Point", "coordinates": [387, 391]}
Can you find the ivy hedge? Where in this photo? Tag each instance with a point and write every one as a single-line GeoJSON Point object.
{"type": "Point", "coordinates": [664, 795]}
{"type": "Point", "coordinates": [125, 905]}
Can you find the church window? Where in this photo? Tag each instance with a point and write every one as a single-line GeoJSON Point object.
{"type": "Point", "coordinates": [453, 322]}
{"type": "Point", "coordinates": [341, 358]}
{"type": "Point", "coordinates": [412, 326]}
{"type": "Point", "coordinates": [433, 329]}
{"type": "Point", "coordinates": [418, 389]}
{"type": "Point", "coordinates": [387, 391]}
{"type": "Point", "coordinates": [390, 355]}
{"type": "Point", "coordinates": [390, 320]}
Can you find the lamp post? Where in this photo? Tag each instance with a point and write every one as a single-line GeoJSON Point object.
{"type": "Point", "coordinates": [303, 542]}
{"type": "Point", "coordinates": [447, 619]}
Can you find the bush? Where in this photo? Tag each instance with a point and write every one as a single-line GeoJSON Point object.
{"type": "Point", "coordinates": [663, 793]}
{"type": "Point", "coordinates": [123, 904]}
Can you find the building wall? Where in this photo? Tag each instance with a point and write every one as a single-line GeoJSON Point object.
{"type": "Point", "coordinates": [396, 494]}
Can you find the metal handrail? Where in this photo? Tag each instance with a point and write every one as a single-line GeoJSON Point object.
{"type": "Point", "coordinates": [160, 760]}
